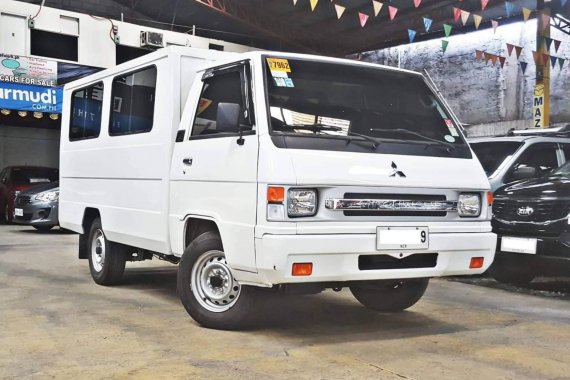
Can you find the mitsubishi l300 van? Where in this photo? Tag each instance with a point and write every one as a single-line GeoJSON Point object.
{"type": "Point", "coordinates": [266, 171]}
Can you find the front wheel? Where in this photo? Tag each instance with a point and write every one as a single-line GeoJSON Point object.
{"type": "Point", "coordinates": [106, 259]}
{"type": "Point", "coordinates": [208, 289]}
{"type": "Point", "coordinates": [390, 295]}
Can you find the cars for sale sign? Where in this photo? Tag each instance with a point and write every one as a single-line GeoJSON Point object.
{"type": "Point", "coordinates": [23, 97]}
{"type": "Point", "coordinates": [28, 70]}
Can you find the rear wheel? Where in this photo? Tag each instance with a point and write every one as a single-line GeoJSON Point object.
{"type": "Point", "coordinates": [106, 259]}
{"type": "Point", "coordinates": [43, 228]}
{"type": "Point", "coordinates": [390, 295]}
{"type": "Point", "coordinates": [208, 289]}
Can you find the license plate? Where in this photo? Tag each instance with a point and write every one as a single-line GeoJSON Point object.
{"type": "Point", "coordinates": [19, 212]}
{"type": "Point", "coordinates": [389, 238]}
{"type": "Point", "coordinates": [518, 245]}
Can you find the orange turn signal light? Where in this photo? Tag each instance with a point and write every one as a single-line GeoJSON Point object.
{"type": "Point", "coordinates": [476, 262]}
{"type": "Point", "coordinates": [275, 194]}
{"type": "Point", "coordinates": [302, 269]}
{"type": "Point", "coordinates": [490, 198]}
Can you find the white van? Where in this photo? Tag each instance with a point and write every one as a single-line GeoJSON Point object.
{"type": "Point", "coordinates": [271, 170]}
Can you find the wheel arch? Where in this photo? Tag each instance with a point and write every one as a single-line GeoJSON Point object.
{"type": "Point", "coordinates": [196, 226]}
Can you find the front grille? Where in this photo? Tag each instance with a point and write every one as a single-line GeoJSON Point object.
{"type": "Point", "coordinates": [23, 199]}
{"type": "Point", "coordinates": [511, 210]}
{"type": "Point", "coordinates": [411, 197]}
{"type": "Point", "coordinates": [375, 262]}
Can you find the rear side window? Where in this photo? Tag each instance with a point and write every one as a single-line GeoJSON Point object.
{"type": "Point", "coordinates": [541, 157]}
{"type": "Point", "coordinates": [132, 102]}
{"type": "Point", "coordinates": [86, 108]}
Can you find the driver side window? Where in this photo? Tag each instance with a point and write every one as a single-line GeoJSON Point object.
{"type": "Point", "coordinates": [225, 87]}
{"type": "Point", "coordinates": [536, 161]}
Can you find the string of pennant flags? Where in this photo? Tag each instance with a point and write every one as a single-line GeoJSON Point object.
{"type": "Point", "coordinates": [459, 15]}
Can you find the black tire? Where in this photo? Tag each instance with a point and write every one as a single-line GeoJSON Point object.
{"type": "Point", "coordinates": [390, 295]}
{"type": "Point", "coordinates": [520, 275]}
{"type": "Point", "coordinates": [110, 269]}
{"type": "Point", "coordinates": [207, 250]}
{"type": "Point", "coordinates": [43, 228]}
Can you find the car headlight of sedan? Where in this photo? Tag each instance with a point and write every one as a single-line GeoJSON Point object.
{"type": "Point", "coordinates": [48, 196]}
{"type": "Point", "coordinates": [301, 202]}
{"type": "Point", "coordinates": [469, 205]}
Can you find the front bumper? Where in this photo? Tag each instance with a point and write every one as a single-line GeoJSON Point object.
{"type": "Point", "coordinates": [335, 258]}
{"type": "Point", "coordinates": [38, 214]}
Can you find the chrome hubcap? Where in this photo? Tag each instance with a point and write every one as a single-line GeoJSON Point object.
{"type": "Point", "coordinates": [98, 251]}
{"type": "Point", "coordinates": [212, 282]}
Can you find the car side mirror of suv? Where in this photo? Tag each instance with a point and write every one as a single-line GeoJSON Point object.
{"type": "Point", "coordinates": [523, 172]}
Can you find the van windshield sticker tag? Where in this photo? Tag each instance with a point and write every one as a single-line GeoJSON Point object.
{"type": "Point", "coordinates": [451, 127]}
{"type": "Point", "coordinates": [278, 64]}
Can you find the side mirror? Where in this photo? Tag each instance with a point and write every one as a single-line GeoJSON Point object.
{"type": "Point", "coordinates": [227, 118]}
{"type": "Point", "coordinates": [524, 172]}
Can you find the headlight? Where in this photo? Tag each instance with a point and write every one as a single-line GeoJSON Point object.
{"type": "Point", "coordinates": [48, 196]}
{"type": "Point", "coordinates": [301, 202]}
{"type": "Point", "coordinates": [469, 204]}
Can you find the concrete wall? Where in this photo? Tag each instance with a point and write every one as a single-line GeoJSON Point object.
{"type": "Point", "coordinates": [481, 93]}
{"type": "Point", "coordinates": [28, 146]}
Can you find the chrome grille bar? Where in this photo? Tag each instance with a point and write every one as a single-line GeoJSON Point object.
{"type": "Point", "coordinates": [403, 205]}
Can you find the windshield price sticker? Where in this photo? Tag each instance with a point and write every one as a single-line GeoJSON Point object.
{"type": "Point", "coordinates": [451, 128]}
{"type": "Point", "coordinates": [278, 64]}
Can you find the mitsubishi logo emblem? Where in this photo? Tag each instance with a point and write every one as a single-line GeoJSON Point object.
{"type": "Point", "coordinates": [395, 172]}
{"type": "Point", "coordinates": [525, 211]}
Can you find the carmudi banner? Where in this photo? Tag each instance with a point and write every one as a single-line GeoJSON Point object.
{"type": "Point", "coordinates": [14, 96]}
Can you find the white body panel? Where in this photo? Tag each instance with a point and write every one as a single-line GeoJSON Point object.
{"type": "Point", "coordinates": [146, 193]}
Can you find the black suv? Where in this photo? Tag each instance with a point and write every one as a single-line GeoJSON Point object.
{"type": "Point", "coordinates": [531, 221]}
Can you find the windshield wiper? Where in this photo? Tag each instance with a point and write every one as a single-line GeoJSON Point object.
{"type": "Point", "coordinates": [319, 127]}
{"type": "Point", "coordinates": [449, 147]}
{"type": "Point", "coordinates": [375, 142]}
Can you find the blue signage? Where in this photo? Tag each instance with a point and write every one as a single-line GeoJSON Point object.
{"type": "Point", "coordinates": [23, 97]}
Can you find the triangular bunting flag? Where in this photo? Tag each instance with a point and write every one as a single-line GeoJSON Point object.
{"type": "Point", "coordinates": [494, 59]}
{"type": "Point", "coordinates": [545, 58]}
{"type": "Point", "coordinates": [377, 7]}
{"type": "Point", "coordinates": [447, 29]}
{"type": "Point", "coordinates": [495, 24]}
{"type": "Point", "coordinates": [444, 44]}
{"type": "Point", "coordinates": [518, 50]}
{"type": "Point", "coordinates": [561, 62]}
{"type": "Point", "coordinates": [523, 66]}
{"type": "Point", "coordinates": [484, 4]}
{"type": "Point", "coordinates": [556, 44]}
{"type": "Point", "coordinates": [417, 3]}
{"type": "Point", "coordinates": [548, 42]}
{"type": "Point", "coordinates": [510, 49]}
{"type": "Point", "coordinates": [363, 18]}
{"type": "Point", "coordinates": [487, 57]}
{"type": "Point", "coordinates": [392, 11]}
{"type": "Point", "coordinates": [464, 17]}
{"type": "Point", "coordinates": [339, 10]}
{"type": "Point", "coordinates": [553, 60]}
{"type": "Point", "coordinates": [477, 20]}
{"type": "Point", "coordinates": [537, 58]}
{"type": "Point", "coordinates": [412, 35]}
{"type": "Point", "coordinates": [502, 61]}
{"type": "Point", "coordinates": [509, 8]}
{"type": "Point", "coordinates": [314, 4]}
{"type": "Point", "coordinates": [456, 14]}
{"type": "Point", "coordinates": [427, 23]}
{"type": "Point", "coordinates": [478, 55]}
{"type": "Point", "coordinates": [526, 14]}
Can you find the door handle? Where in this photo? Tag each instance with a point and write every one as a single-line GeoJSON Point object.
{"type": "Point", "coordinates": [187, 161]}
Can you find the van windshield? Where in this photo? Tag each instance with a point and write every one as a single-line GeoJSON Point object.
{"type": "Point", "coordinates": [380, 110]}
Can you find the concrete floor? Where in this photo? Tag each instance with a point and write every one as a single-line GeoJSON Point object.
{"type": "Point", "coordinates": [56, 323]}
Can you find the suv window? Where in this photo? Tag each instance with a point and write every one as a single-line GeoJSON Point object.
{"type": "Point", "coordinates": [566, 149]}
{"type": "Point", "coordinates": [132, 102]}
{"type": "Point", "coordinates": [224, 87]}
{"type": "Point", "coordinates": [541, 157]}
{"type": "Point", "coordinates": [86, 107]}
